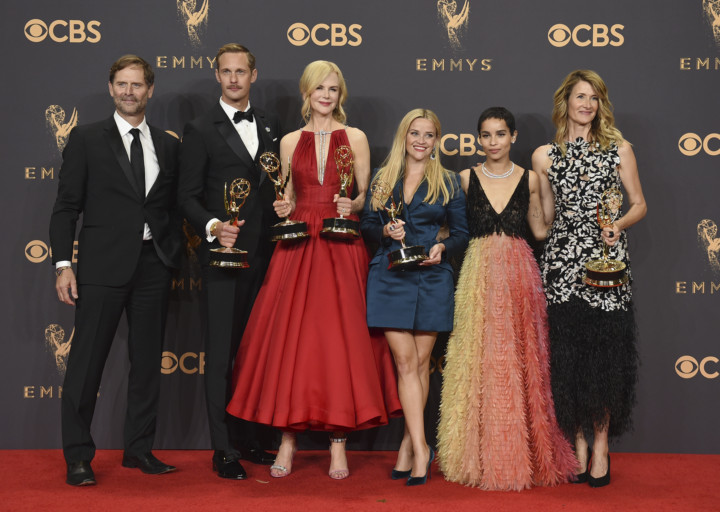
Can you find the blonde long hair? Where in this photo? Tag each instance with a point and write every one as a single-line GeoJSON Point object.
{"type": "Point", "coordinates": [314, 74]}
{"type": "Point", "coordinates": [393, 168]}
{"type": "Point", "coordinates": [602, 128]}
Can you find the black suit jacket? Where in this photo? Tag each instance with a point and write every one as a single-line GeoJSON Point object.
{"type": "Point", "coordinates": [213, 154]}
{"type": "Point", "coordinates": [96, 180]}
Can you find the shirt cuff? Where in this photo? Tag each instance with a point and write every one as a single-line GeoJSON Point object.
{"type": "Point", "coordinates": [61, 264]}
{"type": "Point", "coordinates": [209, 237]}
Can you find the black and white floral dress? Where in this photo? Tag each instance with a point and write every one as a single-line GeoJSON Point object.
{"type": "Point", "coordinates": [592, 330]}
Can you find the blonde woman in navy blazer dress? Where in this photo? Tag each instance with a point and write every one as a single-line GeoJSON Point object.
{"type": "Point", "coordinates": [413, 306]}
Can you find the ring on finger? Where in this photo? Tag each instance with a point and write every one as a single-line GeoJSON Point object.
{"type": "Point", "coordinates": [392, 228]}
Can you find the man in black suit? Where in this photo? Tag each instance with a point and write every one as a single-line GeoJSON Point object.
{"type": "Point", "coordinates": [121, 174]}
{"type": "Point", "coordinates": [218, 147]}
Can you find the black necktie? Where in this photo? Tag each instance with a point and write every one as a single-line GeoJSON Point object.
{"type": "Point", "coordinates": [137, 160]}
{"type": "Point", "coordinates": [247, 116]}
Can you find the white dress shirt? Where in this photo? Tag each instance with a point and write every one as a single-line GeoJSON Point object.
{"type": "Point", "coordinates": [248, 133]}
{"type": "Point", "coordinates": [152, 167]}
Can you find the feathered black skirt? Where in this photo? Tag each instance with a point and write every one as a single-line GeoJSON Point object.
{"type": "Point", "coordinates": [594, 365]}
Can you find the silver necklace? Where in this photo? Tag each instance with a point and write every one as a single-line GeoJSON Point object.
{"type": "Point", "coordinates": [496, 176]}
{"type": "Point", "coordinates": [321, 165]}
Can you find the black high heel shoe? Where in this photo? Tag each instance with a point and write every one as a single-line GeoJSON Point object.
{"type": "Point", "coordinates": [603, 480]}
{"type": "Point", "coordinates": [399, 475]}
{"type": "Point", "coordinates": [420, 480]}
{"type": "Point", "coordinates": [582, 478]}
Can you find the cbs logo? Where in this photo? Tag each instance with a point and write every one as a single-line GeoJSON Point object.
{"type": "Point", "coordinates": [687, 367]}
{"type": "Point", "coordinates": [691, 144]}
{"type": "Point", "coordinates": [462, 144]}
{"type": "Point", "coordinates": [585, 35]}
{"type": "Point", "coordinates": [37, 251]}
{"type": "Point", "coordinates": [322, 34]}
{"type": "Point", "coordinates": [60, 31]}
{"type": "Point", "coordinates": [188, 363]}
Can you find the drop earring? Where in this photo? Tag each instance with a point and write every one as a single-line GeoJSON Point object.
{"type": "Point", "coordinates": [432, 155]}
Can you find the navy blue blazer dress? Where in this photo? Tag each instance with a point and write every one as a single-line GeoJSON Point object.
{"type": "Point", "coordinates": [421, 299]}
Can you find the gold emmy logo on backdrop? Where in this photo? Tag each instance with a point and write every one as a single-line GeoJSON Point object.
{"type": "Point", "coordinates": [707, 232]}
{"type": "Point", "coordinates": [55, 119]}
{"type": "Point", "coordinates": [712, 13]}
{"type": "Point", "coordinates": [193, 241]}
{"type": "Point", "coordinates": [454, 22]}
{"type": "Point", "coordinates": [195, 20]}
{"type": "Point", "coordinates": [55, 342]}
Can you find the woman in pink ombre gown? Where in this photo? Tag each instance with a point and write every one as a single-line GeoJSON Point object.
{"type": "Point", "coordinates": [497, 426]}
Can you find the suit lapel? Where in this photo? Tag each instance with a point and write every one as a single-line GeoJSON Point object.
{"type": "Point", "coordinates": [231, 136]}
{"type": "Point", "coordinates": [398, 195]}
{"type": "Point", "coordinates": [266, 136]}
{"type": "Point", "coordinates": [112, 135]}
{"type": "Point", "coordinates": [419, 195]}
{"type": "Point", "coordinates": [157, 139]}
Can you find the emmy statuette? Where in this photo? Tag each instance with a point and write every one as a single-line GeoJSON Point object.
{"type": "Point", "coordinates": [230, 257]}
{"type": "Point", "coordinates": [340, 228]}
{"type": "Point", "coordinates": [604, 272]}
{"type": "Point", "coordinates": [407, 257]}
{"type": "Point", "coordinates": [287, 229]}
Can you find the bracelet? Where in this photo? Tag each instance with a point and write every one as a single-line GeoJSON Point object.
{"type": "Point", "coordinates": [59, 271]}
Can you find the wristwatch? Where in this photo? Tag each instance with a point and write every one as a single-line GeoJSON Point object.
{"type": "Point", "coordinates": [213, 228]}
{"type": "Point", "coordinates": [59, 271]}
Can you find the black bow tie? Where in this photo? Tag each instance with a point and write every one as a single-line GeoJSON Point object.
{"type": "Point", "coordinates": [240, 116]}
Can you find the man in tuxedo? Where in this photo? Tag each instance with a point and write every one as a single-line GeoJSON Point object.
{"type": "Point", "coordinates": [121, 174]}
{"type": "Point", "coordinates": [218, 147]}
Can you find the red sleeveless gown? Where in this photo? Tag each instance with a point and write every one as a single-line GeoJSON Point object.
{"type": "Point", "coordinates": [307, 359]}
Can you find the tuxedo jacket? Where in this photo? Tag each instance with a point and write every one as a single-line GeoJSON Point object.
{"type": "Point", "coordinates": [96, 180]}
{"type": "Point", "coordinates": [212, 154]}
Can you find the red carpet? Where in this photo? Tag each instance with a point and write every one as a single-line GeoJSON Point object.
{"type": "Point", "coordinates": [34, 480]}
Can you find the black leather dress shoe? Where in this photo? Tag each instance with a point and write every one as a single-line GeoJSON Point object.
{"type": "Point", "coordinates": [147, 463]}
{"type": "Point", "coordinates": [80, 473]}
{"type": "Point", "coordinates": [257, 456]}
{"type": "Point", "coordinates": [228, 467]}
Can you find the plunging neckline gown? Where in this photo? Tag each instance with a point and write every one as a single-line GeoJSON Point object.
{"type": "Point", "coordinates": [307, 359]}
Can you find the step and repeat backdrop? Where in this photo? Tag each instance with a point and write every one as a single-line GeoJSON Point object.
{"type": "Point", "coordinates": [661, 61]}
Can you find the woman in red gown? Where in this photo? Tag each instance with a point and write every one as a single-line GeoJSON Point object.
{"type": "Point", "coordinates": [307, 359]}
